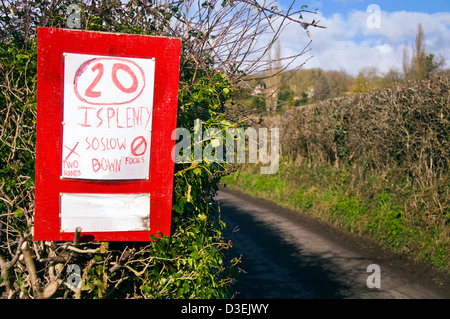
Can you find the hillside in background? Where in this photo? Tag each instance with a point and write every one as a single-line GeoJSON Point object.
{"type": "Point", "coordinates": [301, 87]}
{"type": "Point", "coordinates": [280, 88]}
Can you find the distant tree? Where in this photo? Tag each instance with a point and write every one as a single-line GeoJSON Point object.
{"type": "Point", "coordinates": [392, 77]}
{"type": "Point", "coordinates": [339, 82]}
{"type": "Point", "coordinates": [273, 82]}
{"type": "Point", "coordinates": [366, 80]}
{"type": "Point", "coordinates": [405, 62]}
{"type": "Point", "coordinates": [322, 89]}
{"type": "Point", "coordinates": [422, 64]}
{"type": "Point", "coordinates": [418, 62]}
{"type": "Point", "coordinates": [433, 63]}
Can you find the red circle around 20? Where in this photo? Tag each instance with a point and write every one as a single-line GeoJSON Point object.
{"type": "Point", "coordinates": [97, 81]}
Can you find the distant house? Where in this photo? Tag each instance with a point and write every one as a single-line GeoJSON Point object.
{"type": "Point", "coordinates": [258, 90]}
{"type": "Point", "coordinates": [310, 91]}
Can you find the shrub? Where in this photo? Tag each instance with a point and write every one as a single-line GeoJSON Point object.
{"type": "Point", "coordinates": [191, 263]}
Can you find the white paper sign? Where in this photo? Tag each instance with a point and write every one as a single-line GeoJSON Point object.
{"type": "Point", "coordinates": [105, 212]}
{"type": "Point", "coordinates": [108, 109]}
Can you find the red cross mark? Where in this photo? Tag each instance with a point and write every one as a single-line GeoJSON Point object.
{"type": "Point", "coordinates": [72, 151]}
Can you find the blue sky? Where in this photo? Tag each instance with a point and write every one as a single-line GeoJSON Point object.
{"type": "Point", "coordinates": [353, 40]}
{"type": "Point", "coordinates": [342, 6]}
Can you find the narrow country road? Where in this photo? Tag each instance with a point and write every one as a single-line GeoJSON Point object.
{"type": "Point", "coordinates": [286, 256]}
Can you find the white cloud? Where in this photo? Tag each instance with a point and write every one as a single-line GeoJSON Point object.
{"type": "Point", "coordinates": [384, 48]}
{"type": "Point", "coordinates": [348, 43]}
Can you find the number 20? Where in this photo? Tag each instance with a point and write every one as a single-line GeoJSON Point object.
{"type": "Point", "coordinates": [87, 89]}
{"type": "Point", "coordinates": [117, 66]}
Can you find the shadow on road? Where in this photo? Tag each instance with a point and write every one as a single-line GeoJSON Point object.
{"type": "Point", "coordinates": [272, 266]}
{"type": "Point", "coordinates": [293, 256]}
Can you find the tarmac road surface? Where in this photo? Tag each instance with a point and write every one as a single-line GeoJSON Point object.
{"type": "Point", "coordinates": [285, 256]}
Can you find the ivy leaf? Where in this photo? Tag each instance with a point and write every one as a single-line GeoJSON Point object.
{"type": "Point", "coordinates": [18, 213]}
{"type": "Point", "coordinates": [225, 123]}
{"type": "Point", "coordinates": [195, 255]}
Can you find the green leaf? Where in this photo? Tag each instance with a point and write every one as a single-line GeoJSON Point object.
{"type": "Point", "coordinates": [145, 289]}
{"type": "Point", "coordinates": [18, 213]}
{"type": "Point", "coordinates": [195, 255]}
{"type": "Point", "coordinates": [225, 123]}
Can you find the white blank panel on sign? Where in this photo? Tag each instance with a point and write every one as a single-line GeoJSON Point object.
{"type": "Point", "coordinates": [105, 212]}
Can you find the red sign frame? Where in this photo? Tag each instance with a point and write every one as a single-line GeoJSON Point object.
{"type": "Point", "coordinates": [52, 43]}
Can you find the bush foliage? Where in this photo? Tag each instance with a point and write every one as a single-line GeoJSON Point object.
{"type": "Point", "coordinates": [191, 263]}
{"type": "Point", "coordinates": [402, 133]}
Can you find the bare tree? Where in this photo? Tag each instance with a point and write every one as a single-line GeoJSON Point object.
{"type": "Point", "coordinates": [273, 82]}
{"type": "Point", "coordinates": [405, 62]}
{"type": "Point", "coordinates": [237, 35]}
{"type": "Point", "coordinates": [421, 65]}
{"type": "Point", "coordinates": [418, 59]}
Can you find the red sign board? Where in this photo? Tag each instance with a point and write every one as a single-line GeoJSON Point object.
{"type": "Point", "coordinates": [106, 108]}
